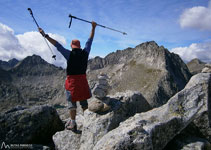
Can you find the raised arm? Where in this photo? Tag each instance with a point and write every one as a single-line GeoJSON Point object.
{"type": "Point", "coordinates": [60, 48]}
{"type": "Point", "coordinates": [52, 41]}
{"type": "Point", "coordinates": [94, 24]}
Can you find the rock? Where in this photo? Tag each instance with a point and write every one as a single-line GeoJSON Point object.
{"type": "Point", "coordinates": [99, 93]}
{"type": "Point", "coordinates": [105, 107]}
{"type": "Point", "coordinates": [101, 88]}
{"type": "Point", "coordinates": [207, 68]}
{"type": "Point", "coordinates": [35, 125]}
{"type": "Point", "coordinates": [122, 106]}
{"type": "Point", "coordinates": [155, 128]}
{"type": "Point", "coordinates": [96, 105]}
{"type": "Point", "coordinates": [96, 125]}
{"type": "Point", "coordinates": [189, 138]}
{"type": "Point", "coordinates": [68, 140]}
{"type": "Point", "coordinates": [202, 119]}
{"type": "Point", "coordinates": [188, 143]}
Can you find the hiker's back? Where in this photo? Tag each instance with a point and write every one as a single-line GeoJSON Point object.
{"type": "Point", "coordinates": [77, 63]}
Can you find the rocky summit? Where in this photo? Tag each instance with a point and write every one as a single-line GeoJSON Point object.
{"type": "Point", "coordinates": [195, 66]}
{"type": "Point", "coordinates": [143, 98]}
{"type": "Point", "coordinates": [151, 69]}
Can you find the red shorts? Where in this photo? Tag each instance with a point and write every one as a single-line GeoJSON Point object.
{"type": "Point", "coordinates": [78, 87]}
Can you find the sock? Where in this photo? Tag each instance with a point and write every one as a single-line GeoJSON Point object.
{"type": "Point", "coordinates": [73, 121]}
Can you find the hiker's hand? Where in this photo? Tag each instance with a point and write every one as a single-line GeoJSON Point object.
{"type": "Point", "coordinates": [42, 32]}
{"type": "Point", "coordinates": [94, 24]}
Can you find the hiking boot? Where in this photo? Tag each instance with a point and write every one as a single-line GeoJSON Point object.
{"type": "Point", "coordinates": [70, 125]}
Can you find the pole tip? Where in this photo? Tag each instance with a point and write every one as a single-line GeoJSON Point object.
{"type": "Point", "coordinates": [124, 33]}
{"type": "Point", "coordinates": [54, 56]}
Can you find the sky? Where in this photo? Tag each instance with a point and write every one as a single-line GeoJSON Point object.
{"type": "Point", "coordinates": [181, 26]}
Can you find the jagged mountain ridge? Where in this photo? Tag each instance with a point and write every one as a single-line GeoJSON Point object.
{"type": "Point", "coordinates": [31, 81]}
{"type": "Point", "coordinates": [6, 65]}
{"type": "Point", "coordinates": [195, 66]}
{"type": "Point", "coordinates": [148, 68]}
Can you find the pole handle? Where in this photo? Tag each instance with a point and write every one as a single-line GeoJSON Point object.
{"type": "Point", "coordinates": [29, 9]}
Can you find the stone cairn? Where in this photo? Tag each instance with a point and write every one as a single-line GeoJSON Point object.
{"type": "Point", "coordinates": [100, 90]}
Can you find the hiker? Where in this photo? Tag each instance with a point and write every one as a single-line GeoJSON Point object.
{"type": "Point", "coordinates": [76, 84]}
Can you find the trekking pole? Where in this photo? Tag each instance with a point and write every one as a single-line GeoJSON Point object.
{"type": "Point", "coordinates": [97, 24]}
{"type": "Point", "coordinates": [54, 56]}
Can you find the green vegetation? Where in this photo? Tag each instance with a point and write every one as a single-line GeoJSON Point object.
{"type": "Point", "coordinates": [135, 77]}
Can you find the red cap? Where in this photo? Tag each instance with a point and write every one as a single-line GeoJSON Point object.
{"type": "Point", "coordinates": [75, 44]}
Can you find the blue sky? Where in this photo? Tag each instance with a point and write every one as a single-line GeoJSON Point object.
{"type": "Point", "coordinates": [142, 20]}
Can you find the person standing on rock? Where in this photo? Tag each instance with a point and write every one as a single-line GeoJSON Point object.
{"type": "Point", "coordinates": [76, 84]}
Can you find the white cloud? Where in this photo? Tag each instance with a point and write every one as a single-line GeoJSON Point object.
{"type": "Point", "coordinates": [197, 17]}
{"type": "Point", "coordinates": [27, 44]}
{"type": "Point", "coordinates": [9, 44]}
{"type": "Point", "coordinates": [201, 51]}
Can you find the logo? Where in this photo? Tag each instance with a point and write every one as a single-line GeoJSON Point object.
{"type": "Point", "coordinates": [3, 145]}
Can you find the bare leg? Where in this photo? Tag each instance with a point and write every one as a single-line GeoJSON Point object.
{"type": "Point", "coordinates": [72, 114]}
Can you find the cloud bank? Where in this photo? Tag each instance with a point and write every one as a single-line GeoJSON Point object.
{"type": "Point", "coordinates": [197, 17]}
{"type": "Point", "coordinates": [23, 45]}
{"type": "Point", "coordinates": [201, 51]}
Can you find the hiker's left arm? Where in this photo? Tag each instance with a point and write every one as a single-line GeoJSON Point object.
{"type": "Point", "coordinates": [94, 24]}
{"type": "Point", "coordinates": [89, 41]}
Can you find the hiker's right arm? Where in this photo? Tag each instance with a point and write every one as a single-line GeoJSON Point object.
{"type": "Point", "coordinates": [60, 48]}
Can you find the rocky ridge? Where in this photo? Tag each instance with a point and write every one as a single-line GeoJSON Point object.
{"type": "Point", "coordinates": [148, 68]}
{"type": "Point", "coordinates": [195, 66]}
{"type": "Point", "coordinates": [6, 65]}
{"type": "Point", "coordinates": [31, 81]}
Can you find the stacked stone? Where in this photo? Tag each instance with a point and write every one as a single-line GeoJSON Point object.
{"type": "Point", "coordinates": [100, 91]}
{"type": "Point", "coordinates": [101, 88]}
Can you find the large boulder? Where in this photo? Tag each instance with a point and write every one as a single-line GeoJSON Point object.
{"type": "Point", "coordinates": [202, 119]}
{"type": "Point", "coordinates": [96, 125]}
{"type": "Point", "coordinates": [155, 128]}
{"type": "Point", "coordinates": [207, 68]}
{"type": "Point", "coordinates": [34, 125]}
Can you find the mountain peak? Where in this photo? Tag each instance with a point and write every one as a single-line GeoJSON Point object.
{"type": "Point", "coordinates": [196, 61]}
{"type": "Point", "coordinates": [148, 44]}
{"type": "Point", "coordinates": [8, 65]}
{"type": "Point", "coordinates": [195, 65]}
{"type": "Point", "coordinates": [34, 65]}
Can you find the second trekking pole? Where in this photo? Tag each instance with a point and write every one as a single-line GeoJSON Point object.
{"type": "Point", "coordinates": [54, 56]}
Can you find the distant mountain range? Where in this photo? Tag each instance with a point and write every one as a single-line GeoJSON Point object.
{"type": "Point", "coordinates": [31, 81]}
{"type": "Point", "coordinates": [151, 69]}
{"type": "Point", "coordinates": [195, 66]}
{"type": "Point", "coordinates": [6, 65]}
